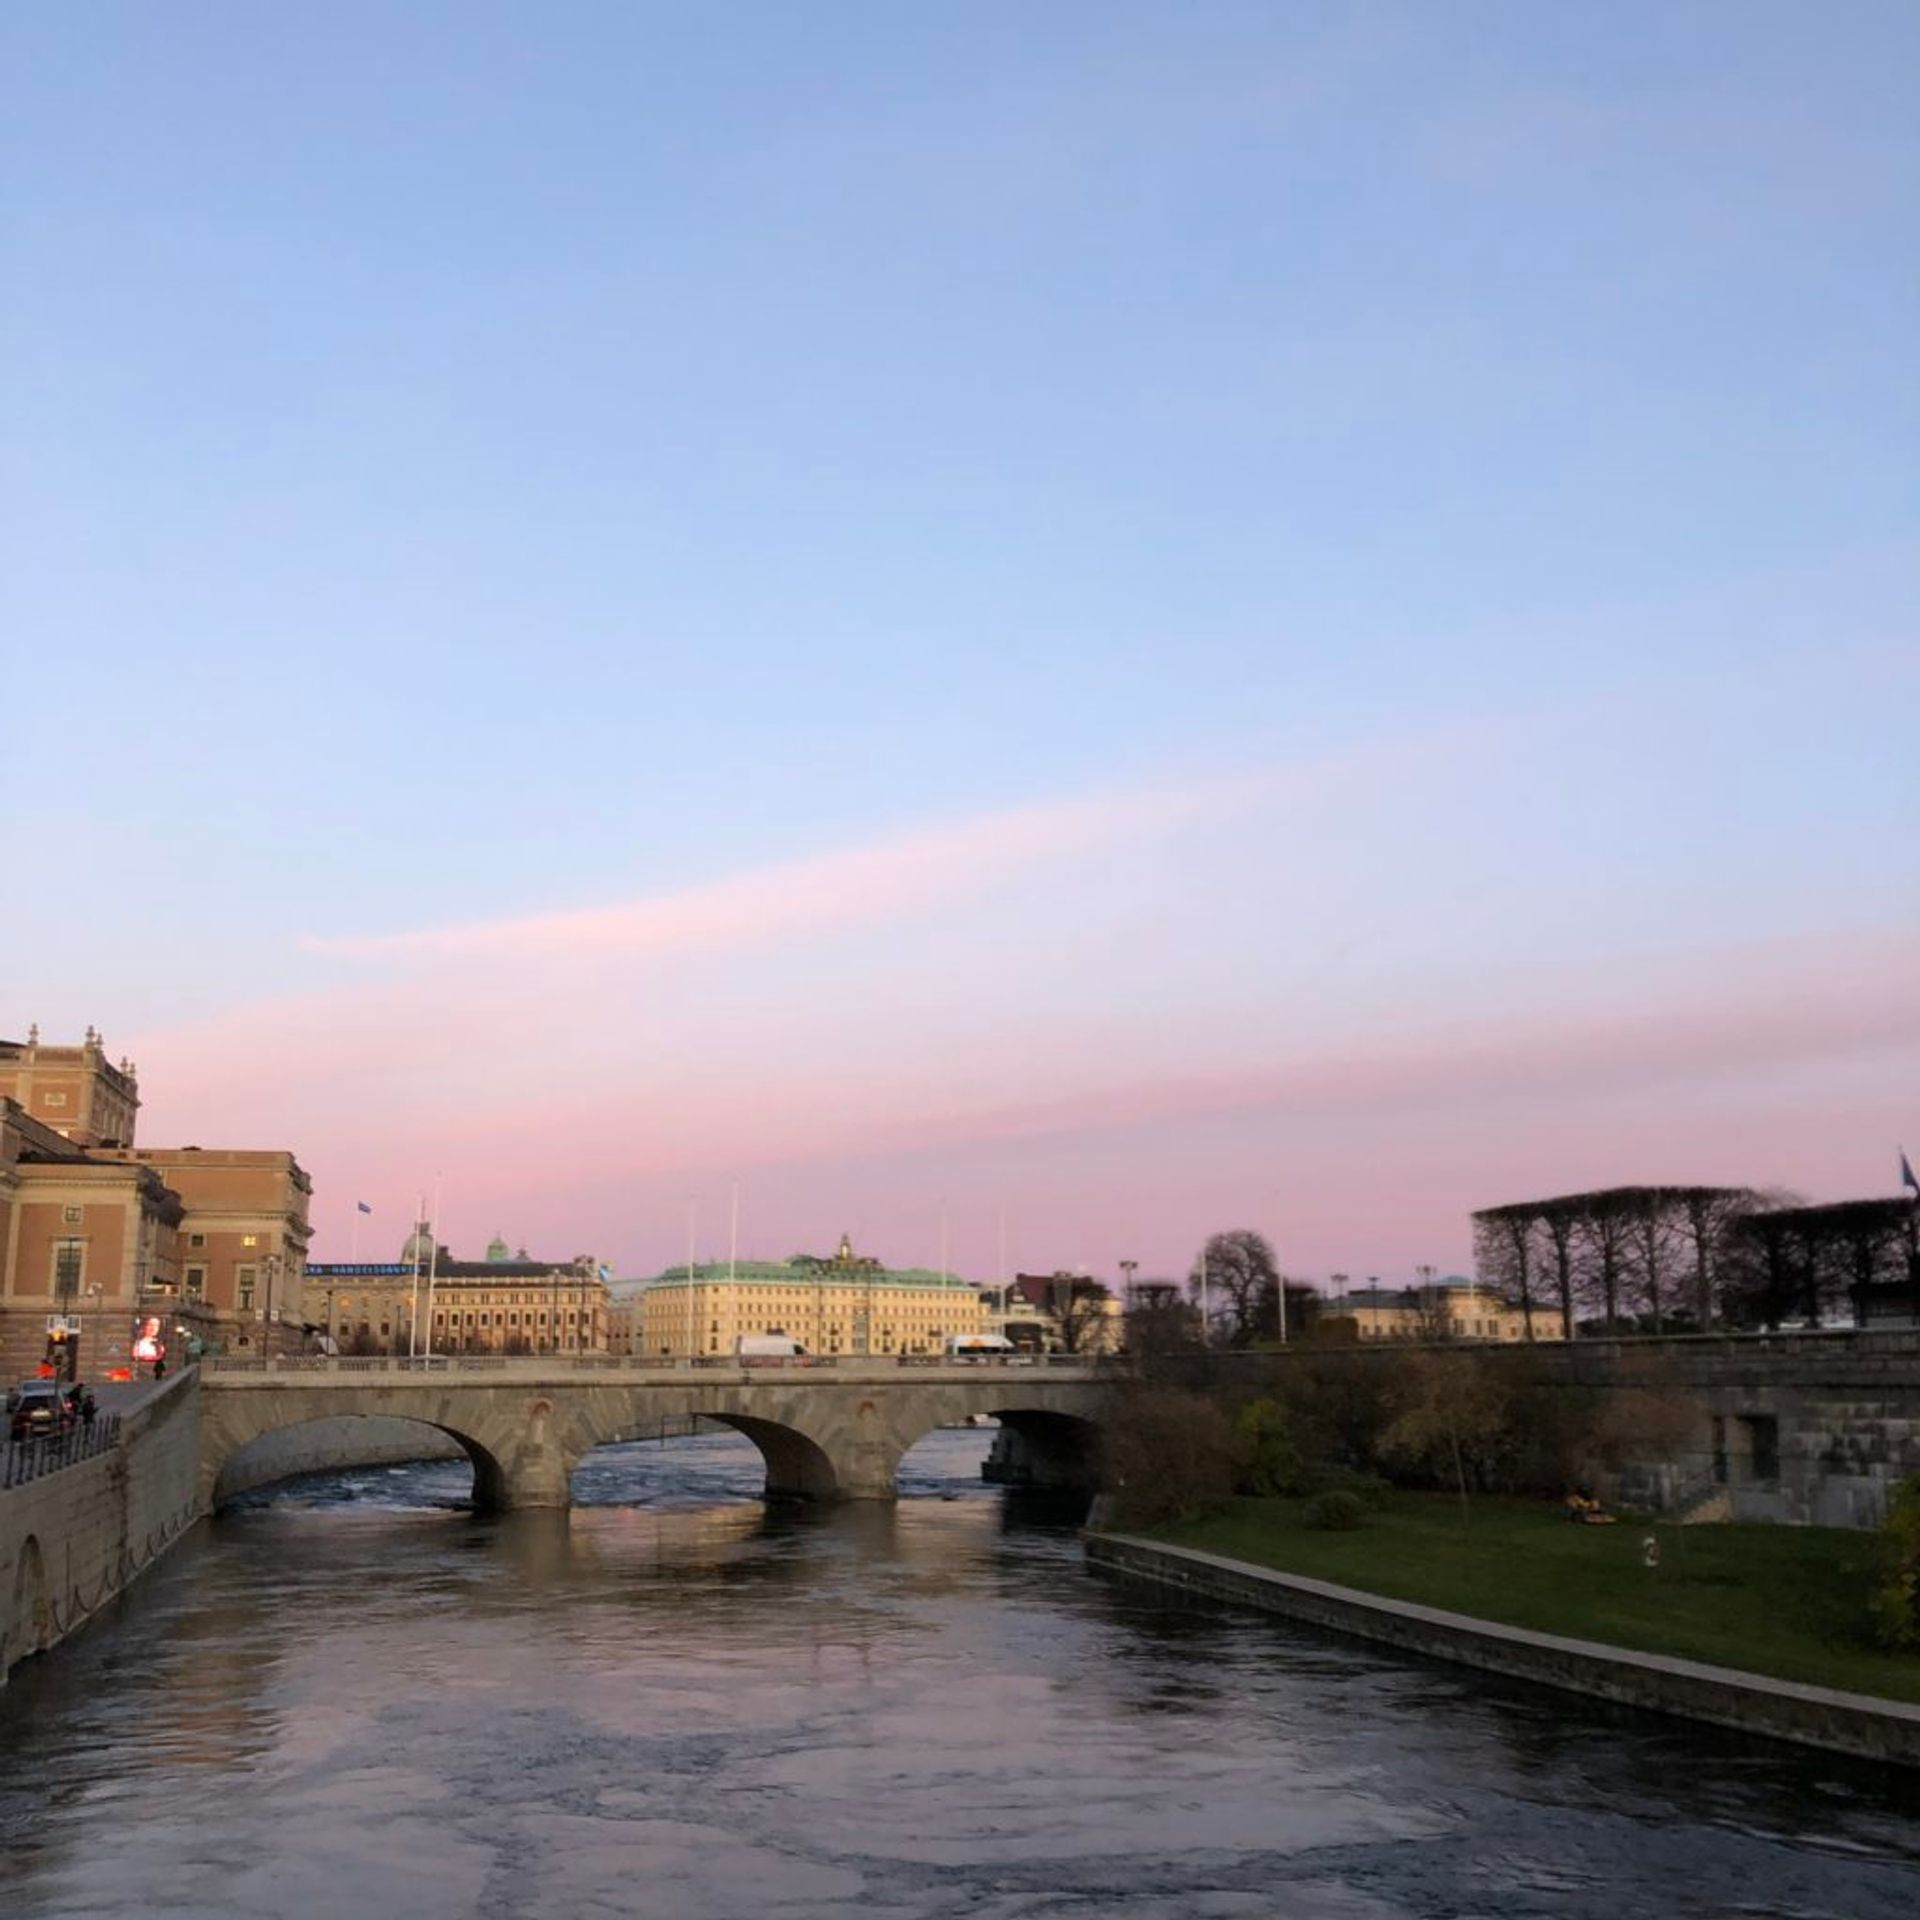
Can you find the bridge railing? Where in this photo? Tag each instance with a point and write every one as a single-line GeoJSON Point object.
{"type": "Point", "coordinates": [25, 1461]}
{"type": "Point", "coordinates": [351, 1365]}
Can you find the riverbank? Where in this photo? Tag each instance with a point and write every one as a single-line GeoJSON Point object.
{"type": "Point", "coordinates": [1580, 1581]}
{"type": "Point", "coordinates": [1787, 1602]}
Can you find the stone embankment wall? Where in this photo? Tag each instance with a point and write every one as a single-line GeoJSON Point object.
{"type": "Point", "coordinates": [73, 1540]}
{"type": "Point", "coordinates": [1808, 1429]}
{"type": "Point", "coordinates": [330, 1446]}
{"type": "Point", "coordinates": [1887, 1730]}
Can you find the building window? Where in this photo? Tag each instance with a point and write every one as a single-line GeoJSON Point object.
{"type": "Point", "coordinates": [196, 1239]}
{"type": "Point", "coordinates": [1763, 1444]}
{"type": "Point", "coordinates": [249, 1239]}
{"type": "Point", "coordinates": [69, 1268]}
{"type": "Point", "coordinates": [196, 1281]}
{"type": "Point", "coordinates": [55, 1099]}
{"type": "Point", "coordinates": [72, 1215]}
{"type": "Point", "coordinates": [243, 1281]}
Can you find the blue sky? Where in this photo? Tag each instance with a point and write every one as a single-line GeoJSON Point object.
{"type": "Point", "coordinates": [477, 464]}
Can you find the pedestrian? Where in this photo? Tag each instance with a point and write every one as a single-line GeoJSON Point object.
{"type": "Point", "coordinates": [159, 1366]}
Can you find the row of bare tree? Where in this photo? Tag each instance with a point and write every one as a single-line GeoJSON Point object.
{"type": "Point", "coordinates": [1681, 1259]}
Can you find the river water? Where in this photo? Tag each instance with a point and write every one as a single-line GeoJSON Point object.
{"type": "Point", "coordinates": [353, 1698]}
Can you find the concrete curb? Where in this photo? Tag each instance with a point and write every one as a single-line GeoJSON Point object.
{"type": "Point", "coordinates": [1853, 1723]}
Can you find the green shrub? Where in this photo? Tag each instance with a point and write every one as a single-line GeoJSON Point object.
{"type": "Point", "coordinates": [1338, 1510]}
{"type": "Point", "coordinates": [1369, 1489]}
{"type": "Point", "coordinates": [1896, 1600]}
{"type": "Point", "coordinates": [1169, 1456]}
{"type": "Point", "coordinates": [1268, 1453]}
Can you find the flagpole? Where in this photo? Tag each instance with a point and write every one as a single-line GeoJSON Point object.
{"type": "Point", "coordinates": [433, 1265]}
{"type": "Point", "coordinates": [691, 1207]}
{"type": "Point", "coordinates": [354, 1257]}
{"type": "Point", "coordinates": [413, 1319]}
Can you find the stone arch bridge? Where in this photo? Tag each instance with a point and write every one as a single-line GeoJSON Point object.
{"type": "Point", "coordinates": [827, 1431]}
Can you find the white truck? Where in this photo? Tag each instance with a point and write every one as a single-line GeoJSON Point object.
{"type": "Point", "coordinates": [978, 1346]}
{"type": "Point", "coordinates": [767, 1346]}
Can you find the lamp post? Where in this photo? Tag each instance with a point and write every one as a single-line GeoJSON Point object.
{"type": "Point", "coordinates": [270, 1268]}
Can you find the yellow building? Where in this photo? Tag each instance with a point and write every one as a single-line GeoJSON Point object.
{"type": "Point", "coordinates": [504, 1304]}
{"type": "Point", "coordinates": [1454, 1309]}
{"type": "Point", "coordinates": [849, 1304]}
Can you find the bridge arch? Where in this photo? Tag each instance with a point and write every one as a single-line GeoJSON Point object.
{"type": "Point", "coordinates": [32, 1615]}
{"type": "Point", "coordinates": [797, 1465]}
{"type": "Point", "coordinates": [1050, 1434]}
{"type": "Point", "coordinates": [340, 1442]}
{"type": "Point", "coordinates": [1047, 1450]}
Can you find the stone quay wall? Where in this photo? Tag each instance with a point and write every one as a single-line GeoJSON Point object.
{"type": "Point", "coordinates": [1886, 1730]}
{"type": "Point", "coordinates": [1806, 1428]}
{"type": "Point", "coordinates": [73, 1540]}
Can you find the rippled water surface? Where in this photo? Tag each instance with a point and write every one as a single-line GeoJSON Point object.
{"type": "Point", "coordinates": [356, 1699]}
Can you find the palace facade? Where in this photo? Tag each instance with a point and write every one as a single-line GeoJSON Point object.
{"type": "Point", "coordinates": [1451, 1309]}
{"type": "Point", "coordinates": [429, 1302]}
{"type": "Point", "coordinates": [847, 1303]}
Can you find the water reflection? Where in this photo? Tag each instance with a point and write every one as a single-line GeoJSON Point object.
{"type": "Point", "coordinates": [359, 1698]}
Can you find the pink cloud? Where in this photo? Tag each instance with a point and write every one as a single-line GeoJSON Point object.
{"type": "Point", "coordinates": [864, 1033]}
{"type": "Point", "coordinates": [891, 879]}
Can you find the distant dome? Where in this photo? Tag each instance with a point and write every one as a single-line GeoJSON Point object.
{"type": "Point", "coordinates": [497, 1251]}
{"type": "Point", "coordinates": [419, 1246]}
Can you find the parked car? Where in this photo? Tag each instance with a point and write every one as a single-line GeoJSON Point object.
{"type": "Point", "coordinates": [38, 1410]}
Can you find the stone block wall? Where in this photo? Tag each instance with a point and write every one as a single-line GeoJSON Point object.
{"type": "Point", "coordinates": [73, 1540]}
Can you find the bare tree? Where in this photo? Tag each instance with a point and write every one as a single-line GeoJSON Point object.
{"type": "Point", "coordinates": [1604, 1246]}
{"type": "Point", "coordinates": [1160, 1320]}
{"type": "Point", "coordinates": [1504, 1255]}
{"type": "Point", "coordinates": [1241, 1286]}
{"type": "Point", "coordinates": [1706, 1217]}
{"type": "Point", "coordinates": [1651, 1216]}
{"type": "Point", "coordinates": [1455, 1411]}
{"type": "Point", "coordinates": [1809, 1263]}
{"type": "Point", "coordinates": [1558, 1221]}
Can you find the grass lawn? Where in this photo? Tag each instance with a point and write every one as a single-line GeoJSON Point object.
{"type": "Point", "coordinates": [1785, 1601]}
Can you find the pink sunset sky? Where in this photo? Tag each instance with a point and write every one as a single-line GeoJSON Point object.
{"type": "Point", "coordinates": [1130, 621]}
{"type": "Point", "coordinates": [1344, 1000]}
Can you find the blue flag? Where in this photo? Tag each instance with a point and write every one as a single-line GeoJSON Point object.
{"type": "Point", "coordinates": [1906, 1172]}
{"type": "Point", "coordinates": [362, 1205]}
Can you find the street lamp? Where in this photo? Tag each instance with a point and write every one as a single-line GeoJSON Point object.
{"type": "Point", "coordinates": [270, 1268]}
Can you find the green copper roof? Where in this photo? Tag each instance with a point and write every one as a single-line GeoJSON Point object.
{"type": "Point", "coordinates": [805, 1273]}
